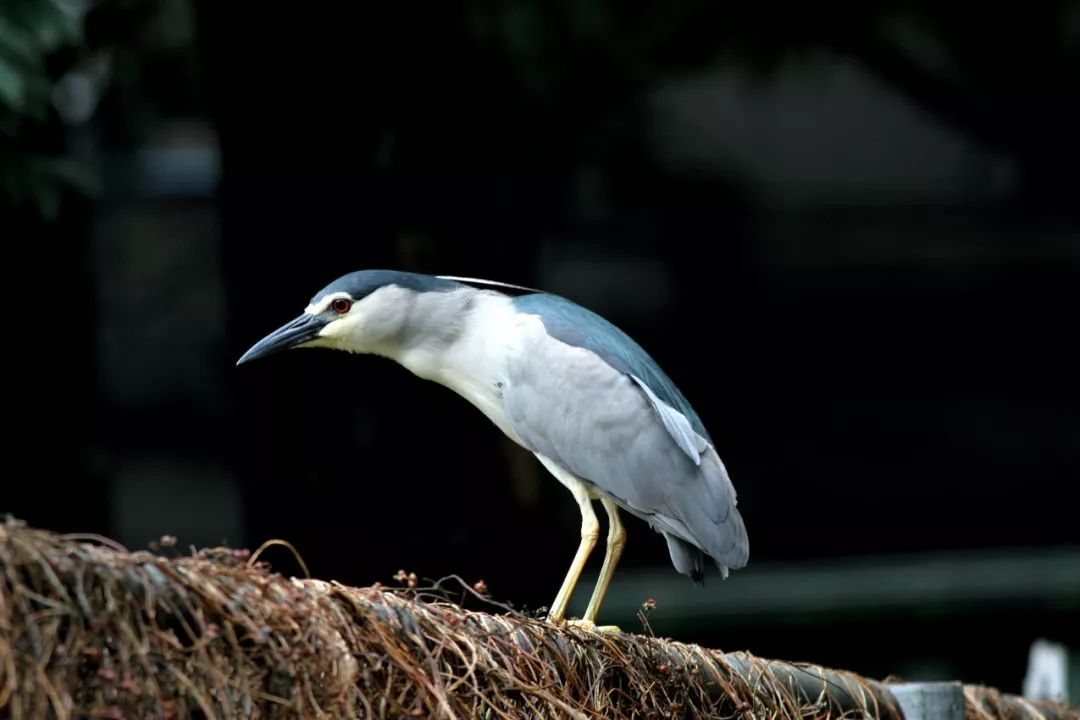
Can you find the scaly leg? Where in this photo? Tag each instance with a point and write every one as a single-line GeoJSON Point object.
{"type": "Point", "coordinates": [590, 530]}
{"type": "Point", "coordinates": [616, 539]}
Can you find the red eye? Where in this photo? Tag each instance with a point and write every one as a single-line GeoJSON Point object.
{"type": "Point", "coordinates": [341, 305]}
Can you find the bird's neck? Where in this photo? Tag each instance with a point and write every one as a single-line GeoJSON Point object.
{"type": "Point", "coordinates": [462, 341]}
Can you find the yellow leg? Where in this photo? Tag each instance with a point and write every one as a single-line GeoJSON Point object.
{"type": "Point", "coordinates": [590, 530]}
{"type": "Point", "coordinates": [616, 539]}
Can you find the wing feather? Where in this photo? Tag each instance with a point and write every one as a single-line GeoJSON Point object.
{"type": "Point", "coordinates": [611, 430]}
{"type": "Point", "coordinates": [677, 425]}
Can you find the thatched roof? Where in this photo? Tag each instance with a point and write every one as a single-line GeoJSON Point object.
{"type": "Point", "coordinates": [88, 629]}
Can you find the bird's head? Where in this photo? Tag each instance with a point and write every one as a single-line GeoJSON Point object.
{"type": "Point", "coordinates": [370, 311]}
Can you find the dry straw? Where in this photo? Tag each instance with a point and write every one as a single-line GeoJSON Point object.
{"type": "Point", "coordinates": [90, 630]}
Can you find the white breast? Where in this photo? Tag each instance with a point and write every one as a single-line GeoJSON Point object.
{"type": "Point", "coordinates": [474, 365]}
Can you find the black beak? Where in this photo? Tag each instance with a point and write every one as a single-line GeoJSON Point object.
{"type": "Point", "coordinates": [299, 331]}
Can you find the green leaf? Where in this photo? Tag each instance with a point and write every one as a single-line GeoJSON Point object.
{"type": "Point", "coordinates": [51, 23]}
{"type": "Point", "coordinates": [10, 178]}
{"type": "Point", "coordinates": [16, 45]}
{"type": "Point", "coordinates": [48, 199]}
{"type": "Point", "coordinates": [77, 175]}
{"type": "Point", "coordinates": [12, 87]}
{"type": "Point", "coordinates": [41, 185]}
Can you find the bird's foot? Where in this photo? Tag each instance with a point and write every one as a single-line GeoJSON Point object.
{"type": "Point", "coordinates": [590, 626]}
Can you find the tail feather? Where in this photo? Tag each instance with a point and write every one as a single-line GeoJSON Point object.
{"type": "Point", "coordinates": [712, 517]}
{"type": "Point", "coordinates": [687, 559]}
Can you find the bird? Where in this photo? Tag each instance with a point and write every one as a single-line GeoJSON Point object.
{"type": "Point", "coordinates": [564, 383]}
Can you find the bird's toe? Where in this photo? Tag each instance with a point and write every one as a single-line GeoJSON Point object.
{"type": "Point", "coordinates": [590, 626]}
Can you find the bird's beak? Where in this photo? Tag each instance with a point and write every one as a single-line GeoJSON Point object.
{"type": "Point", "coordinates": [304, 328]}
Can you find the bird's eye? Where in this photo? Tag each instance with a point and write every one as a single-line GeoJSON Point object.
{"type": "Point", "coordinates": [341, 305]}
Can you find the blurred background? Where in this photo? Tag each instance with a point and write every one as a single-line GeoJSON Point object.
{"type": "Point", "coordinates": [850, 232]}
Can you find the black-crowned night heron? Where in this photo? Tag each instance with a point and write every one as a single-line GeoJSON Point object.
{"type": "Point", "coordinates": [562, 382]}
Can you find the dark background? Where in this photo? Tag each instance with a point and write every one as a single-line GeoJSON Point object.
{"type": "Point", "coordinates": [850, 233]}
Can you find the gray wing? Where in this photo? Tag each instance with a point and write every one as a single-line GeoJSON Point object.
{"type": "Point", "coordinates": [608, 428]}
{"type": "Point", "coordinates": [675, 423]}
